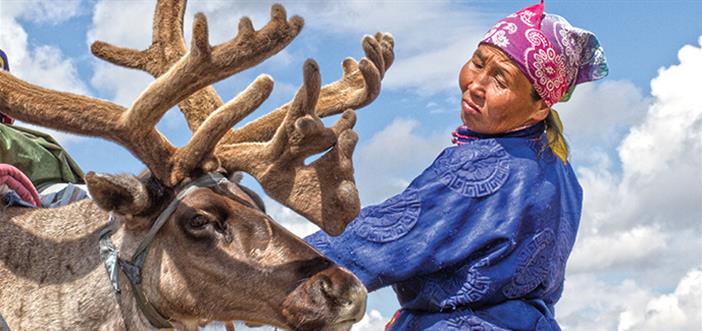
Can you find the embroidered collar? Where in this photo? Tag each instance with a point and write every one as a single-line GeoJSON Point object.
{"type": "Point", "coordinates": [464, 135]}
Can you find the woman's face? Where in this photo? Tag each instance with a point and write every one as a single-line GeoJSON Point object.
{"type": "Point", "coordinates": [496, 94]}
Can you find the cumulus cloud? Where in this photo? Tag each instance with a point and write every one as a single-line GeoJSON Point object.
{"type": "Point", "coordinates": [599, 116]}
{"type": "Point", "coordinates": [393, 157]}
{"type": "Point", "coordinates": [43, 65]}
{"type": "Point", "coordinates": [372, 321]}
{"type": "Point", "coordinates": [680, 310]}
{"type": "Point", "coordinates": [428, 59]}
{"type": "Point", "coordinates": [590, 303]}
{"type": "Point", "coordinates": [124, 24]}
{"type": "Point", "coordinates": [641, 217]}
{"type": "Point", "coordinates": [426, 63]}
{"type": "Point", "coordinates": [297, 224]}
{"type": "Point", "coordinates": [42, 11]}
{"type": "Point", "coordinates": [39, 64]}
{"type": "Point", "coordinates": [627, 305]}
{"type": "Point", "coordinates": [604, 251]}
{"type": "Point", "coordinates": [660, 158]}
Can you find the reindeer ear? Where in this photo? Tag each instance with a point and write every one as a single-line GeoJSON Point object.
{"type": "Point", "coordinates": [123, 194]}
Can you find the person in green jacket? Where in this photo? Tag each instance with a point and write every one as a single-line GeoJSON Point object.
{"type": "Point", "coordinates": [56, 176]}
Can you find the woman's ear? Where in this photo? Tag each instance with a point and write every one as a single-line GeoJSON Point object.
{"type": "Point", "coordinates": [541, 112]}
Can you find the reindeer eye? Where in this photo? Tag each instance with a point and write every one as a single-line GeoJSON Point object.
{"type": "Point", "coordinates": [198, 221]}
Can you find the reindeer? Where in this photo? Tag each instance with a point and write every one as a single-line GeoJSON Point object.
{"type": "Point", "coordinates": [182, 244]}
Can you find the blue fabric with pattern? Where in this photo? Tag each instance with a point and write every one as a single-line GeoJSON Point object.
{"type": "Point", "coordinates": [479, 241]}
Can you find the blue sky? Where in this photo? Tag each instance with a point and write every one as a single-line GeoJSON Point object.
{"type": "Point", "coordinates": [635, 145]}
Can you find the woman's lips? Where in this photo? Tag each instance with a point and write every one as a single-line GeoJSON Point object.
{"type": "Point", "coordinates": [469, 108]}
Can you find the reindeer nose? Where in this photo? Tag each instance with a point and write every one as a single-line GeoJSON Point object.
{"type": "Point", "coordinates": [342, 289]}
{"type": "Point", "coordinates": [331, 299]}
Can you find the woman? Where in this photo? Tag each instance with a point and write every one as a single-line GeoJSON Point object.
{"type": "Point", "coordinates": [480, 239]}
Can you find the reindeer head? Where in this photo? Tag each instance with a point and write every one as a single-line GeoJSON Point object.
{"type": "Point", "coordinates": [217, 256]}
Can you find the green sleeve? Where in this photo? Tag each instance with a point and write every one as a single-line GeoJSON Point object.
{"type": "Point", "coordinates": [38, 156]}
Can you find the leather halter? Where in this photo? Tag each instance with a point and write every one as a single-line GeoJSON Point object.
{"type": "Point", "coordinates": [132, 268]}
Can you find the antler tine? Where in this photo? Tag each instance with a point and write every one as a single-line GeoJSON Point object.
{"type": "Point", "coordinates": [82, 115]}
{"type": "Point", "coordinates": [360, 84]}
{"type": "Point", "coordinates": [167, 45]}
{"type": "Point", "coordinates": [168, 27]}
{"type": "Point", "coordinates": [205, 65]}
{"type": "Point", "coordinates": [217, 125]}
{"type": "Point", "coordinates": [304, 124]}
{"type": "Point", "coordinates": [121, 56]}
{"type": "Point", "coordinates": [358, 87]}
{"type": "Point", "coordinates": [94, 117]}
{"type": "Point", "coordinates": [246, 49]}
{"type": "Point", "coordinates": [324, 191]}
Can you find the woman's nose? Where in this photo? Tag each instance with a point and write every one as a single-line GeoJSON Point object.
{"type": "Point", "coordinates": [476, 88]}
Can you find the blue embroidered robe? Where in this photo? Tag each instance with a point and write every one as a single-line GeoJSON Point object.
{"type": "Point", "coordinates": [478, 241]}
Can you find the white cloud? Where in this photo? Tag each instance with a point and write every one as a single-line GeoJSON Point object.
{"type": "Point", "coordinates": [424, 62]}
{"type": "Point", "coordinates": [41, 11]}
{"type": "Point", "coordinates": [122, 23]}
{"type": "Point", "coordinates": [593, 304]}
{"type": "Point", "coordinates": [599, 115]}
{"type": "Point", "coordinates": [372, 321]}
{"type": "Point", "coordinates": [433, 39]}
{"type": "Point", "coordinates": [284, 216]}
{"type": "Point", "coordinates": [42, 65]}
{"type": "Point", "coordinates": [642, 218]}
{"type": "Point", "coordinates": [393, 157]}
{"type": "Point", "coordinates": [660, 159]}
{"type": "Point", "coordinates": [680, 310]}
{"type": "Point", "coordinates": [599, 252]}
{"type": "Point", "coordinates": [417, 26]}
{"type": "Point", "coordinates": [432, 71]}
{"type": "Point", "coordinates": [626, 305]}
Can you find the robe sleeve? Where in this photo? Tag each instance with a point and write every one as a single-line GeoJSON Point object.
{"type": "Point", "coordinates": [446, 215]}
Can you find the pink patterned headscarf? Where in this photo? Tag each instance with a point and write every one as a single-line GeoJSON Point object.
{"type": "Point", "coordinates": [552, 54]}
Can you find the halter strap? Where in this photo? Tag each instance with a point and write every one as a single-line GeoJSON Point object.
{"type": "Point", "coordinates": [133, 268]}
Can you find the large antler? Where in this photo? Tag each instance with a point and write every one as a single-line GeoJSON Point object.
{"type": "Point", "coordinates": [279, 163]}
{"type": "Point", "coordinates": [358, 87]}
{"type": "Point", "coordinates": [134, 128]}
{"type": "Point", "coordinates": [324, 191]}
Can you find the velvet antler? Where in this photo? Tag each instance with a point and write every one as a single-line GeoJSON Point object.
{"type": "Point", "coordinates": [273, 147]}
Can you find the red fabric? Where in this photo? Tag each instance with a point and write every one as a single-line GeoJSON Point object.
{"type": "Point", "coordinates": [392, 320]}
{"type": "Point", "coordinates": [5, 119]}
{"type": "Point", "coordinates": [18, 182]}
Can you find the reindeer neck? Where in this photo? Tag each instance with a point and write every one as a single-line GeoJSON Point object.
{"type": "Point", "coordinates": [51, 246]}
{"type": "Point", "coordinates": [129, 312]}
{"type": "Point", "coordinates": [52, 273]}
